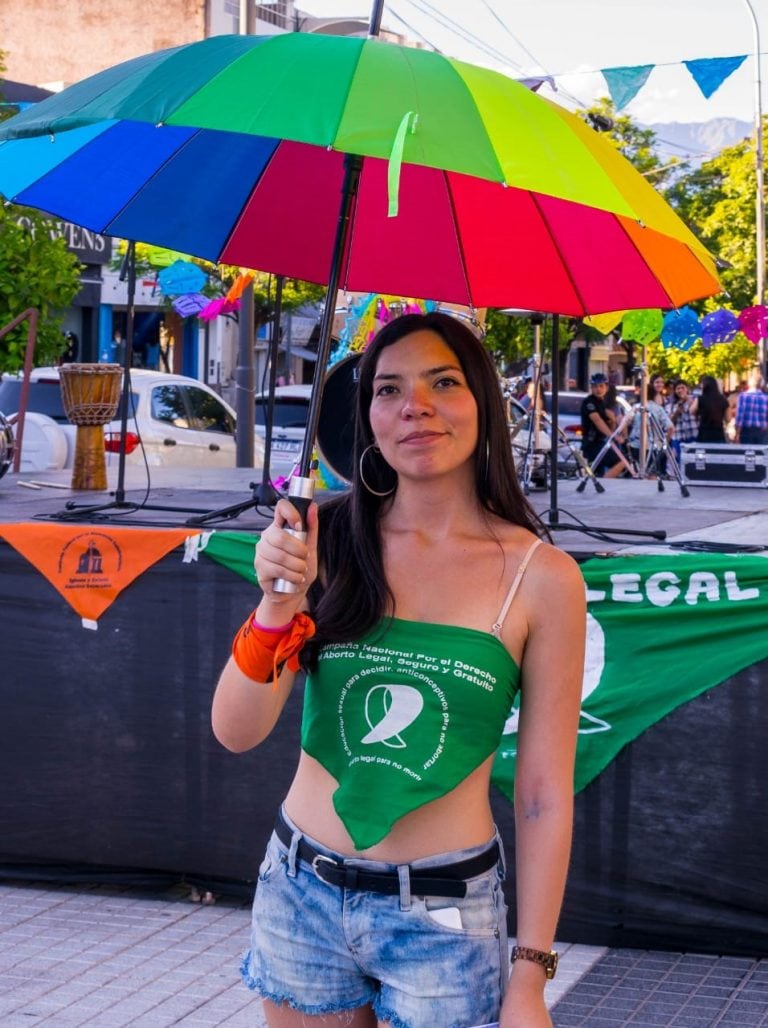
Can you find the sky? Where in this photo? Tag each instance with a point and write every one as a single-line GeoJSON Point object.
{"type": "Point", "coordinates": [573, 39]}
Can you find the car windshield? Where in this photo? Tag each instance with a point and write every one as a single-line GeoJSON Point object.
{"type": "Point", "coordinates": [290, 412]}
{"type": "Point", "coordinates": [44, 398]}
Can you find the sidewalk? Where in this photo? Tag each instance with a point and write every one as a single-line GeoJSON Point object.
{"type": "Point", "coordinates": [110, 956]}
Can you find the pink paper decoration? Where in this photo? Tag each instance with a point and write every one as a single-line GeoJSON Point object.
{"type": "Point", "coordinates": [753, 322]}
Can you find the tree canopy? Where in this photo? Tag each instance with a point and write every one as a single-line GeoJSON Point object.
{"type": "Point", "coordinates": [36, 270]}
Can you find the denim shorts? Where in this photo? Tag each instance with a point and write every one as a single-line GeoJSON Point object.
{"type": "Point", "coordinates": [417, 961]}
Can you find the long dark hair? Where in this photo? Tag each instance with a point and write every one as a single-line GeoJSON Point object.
{"type": "Point", "coordinates": [712, 402]}
{"type": "Point", "coordinates": [352, 594]}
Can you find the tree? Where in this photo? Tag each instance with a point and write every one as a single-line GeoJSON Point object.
{"type": "Point", "coordinates": [719, 199]}
{"type": "Point", "coordinates": [635, 143]}
{"type": "Point", "coordinates": [36, 270]}
{"type": "Point", "coordinates": [735, 358]}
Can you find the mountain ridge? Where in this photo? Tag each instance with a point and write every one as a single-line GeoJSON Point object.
{"type": "Point", "coordinates": [698, 141]}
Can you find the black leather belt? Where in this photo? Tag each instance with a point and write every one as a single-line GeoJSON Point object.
{"type": "Point", "coordinates": [441, 880]}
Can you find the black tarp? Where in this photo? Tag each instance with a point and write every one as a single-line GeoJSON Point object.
{"type": "Point", "coordinates": [108, 769]}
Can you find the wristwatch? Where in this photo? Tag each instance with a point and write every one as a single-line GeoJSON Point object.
{"type": "Point", "coordinates": [548, 960]}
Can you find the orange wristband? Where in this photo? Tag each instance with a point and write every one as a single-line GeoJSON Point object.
{"type": "Point", "coordinates": [261, 653]}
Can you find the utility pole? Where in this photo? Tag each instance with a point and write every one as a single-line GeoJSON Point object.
{"type": "Point", "coordinates": [760, 175]}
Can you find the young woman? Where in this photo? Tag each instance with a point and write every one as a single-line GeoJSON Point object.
{"type": "Point", "coordinates": [683, 411]}
{"type": "Point", "coordinates": [379, 900]}
{"type": "Point", "coordinates": [713, 411]}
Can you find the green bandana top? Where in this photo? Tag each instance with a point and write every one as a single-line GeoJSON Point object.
{"type": "Point", "coordinates": [402, 716]}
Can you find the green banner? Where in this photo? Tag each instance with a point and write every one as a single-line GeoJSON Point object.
{"type": "Point", "coordinates": [661, 629]}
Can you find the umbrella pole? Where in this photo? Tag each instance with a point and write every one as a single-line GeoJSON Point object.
{"type": "Point", "coordinates": [555, 390]}
{"type": "Point", "coordinates": [265, 494]}
{"type": "Point", "coordinates": [301, 487]}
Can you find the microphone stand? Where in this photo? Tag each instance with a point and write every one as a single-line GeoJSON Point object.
{"type": "Point", "coordinates": [75, 511]}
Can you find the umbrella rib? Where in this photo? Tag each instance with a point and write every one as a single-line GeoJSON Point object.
{"type": "Point", "coordinates": [564, 266]}
{"type": "Point", "coordinates": [670, 301]}
{"type": "Point", "coordinates": [459, 246]}
{"type": "Point", "coordinates": [249, 196]}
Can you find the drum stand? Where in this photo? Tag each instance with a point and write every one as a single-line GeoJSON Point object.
{"type": "Point", "coordinates": [611, 445]}
{"type": "Point", "coordinates": [659, 454]}
{"type": "Point", "coordinates": [529, 467]}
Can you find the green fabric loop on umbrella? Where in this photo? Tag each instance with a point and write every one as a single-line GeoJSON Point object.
{"type": "Point", "coordinates": [396, 161]}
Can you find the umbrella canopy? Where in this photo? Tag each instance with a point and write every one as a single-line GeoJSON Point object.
{"type": "Point", "coordinates": [292, 153]}
{"type": "Point", "coordinates": [232, 149]}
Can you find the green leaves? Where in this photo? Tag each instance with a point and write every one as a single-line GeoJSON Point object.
{"type": "Point", "coordinates": [36, 270]}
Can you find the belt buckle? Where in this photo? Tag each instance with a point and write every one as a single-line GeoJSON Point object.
{"type": "Point", "coordinates": [326, 860]}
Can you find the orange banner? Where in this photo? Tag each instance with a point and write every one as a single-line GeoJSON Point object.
{"type": "Point", "coordinates": [90, 565]}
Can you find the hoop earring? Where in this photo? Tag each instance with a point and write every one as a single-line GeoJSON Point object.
{"type": "Point", "coordinates": [373, 492]}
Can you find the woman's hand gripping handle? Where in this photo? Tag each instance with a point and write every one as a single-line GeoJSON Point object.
{"type": "Point", "coordinates": [300, 493]}
{"type": "Point", "coordinates": [286, 555]}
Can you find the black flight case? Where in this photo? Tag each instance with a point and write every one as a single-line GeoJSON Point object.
{"type": "Point", "coordinates": [725, 464]}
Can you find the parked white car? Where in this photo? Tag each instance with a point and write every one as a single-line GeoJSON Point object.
{"type": "Point", "coordinates": [175, 420]}
{"type": "Point", "coordinates": [289, 422]}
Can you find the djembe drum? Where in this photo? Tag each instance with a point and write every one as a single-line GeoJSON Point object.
{"type": "Point", "coordinates": [91, 394]}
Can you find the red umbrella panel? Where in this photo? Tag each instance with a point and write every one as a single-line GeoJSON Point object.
{"type": "Point", "coordinates": [274, 206]}
{"type": "Point", "coordinates": [461, 239]}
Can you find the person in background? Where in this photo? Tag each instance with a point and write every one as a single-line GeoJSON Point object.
{"type": "Point", "coordinates": [612, 409]}
{"type": "Point", "coordinates": [752, 412]}
{"type": "Point", "coordinates": [682, 410]}
{"type": "Point", "coordinates": [424, 599]}
{"type": "Point", "coordinates": [712, 409]}
{"type": "Point", "coordinates": [70, 354]}
{"type": "Point", "coordinates": [596, 428]}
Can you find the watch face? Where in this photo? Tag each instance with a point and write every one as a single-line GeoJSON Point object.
{"type": "Point", "coordinates": [551, 965]}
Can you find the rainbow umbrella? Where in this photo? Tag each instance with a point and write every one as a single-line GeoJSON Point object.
{"type": "Point", "coordinates": [359, 164]}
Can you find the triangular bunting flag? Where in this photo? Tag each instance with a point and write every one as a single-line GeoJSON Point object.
{"type": "Point", "coordinates": [625, 83]}
{"type": "Point", "coordinates": [235, 550]}
{"type": "Point", "coordinates": [535, 84]}
{"type": "Point", "coordinates": [90, 565]}
{"type": "Point", "coordinates": [709, 73]}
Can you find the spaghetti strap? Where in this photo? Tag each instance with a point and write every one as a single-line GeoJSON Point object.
{"type": "Point", "coordinates": [497, 626]}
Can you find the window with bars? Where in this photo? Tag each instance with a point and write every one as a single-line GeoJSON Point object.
{"type": "Point", "coordinates": [278, 13]}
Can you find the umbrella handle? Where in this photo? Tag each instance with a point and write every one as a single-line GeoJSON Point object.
{"type": "Point", "coordinates": [300, 493]}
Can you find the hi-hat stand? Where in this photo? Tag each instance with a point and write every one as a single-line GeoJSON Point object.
{"type": "Point", "coordinates": [119, 505]}
{"type": "Point", "coordinates": [553, 521]}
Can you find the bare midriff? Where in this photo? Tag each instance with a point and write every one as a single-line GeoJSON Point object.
{"type": "Point", "coordinates": [458, 820]}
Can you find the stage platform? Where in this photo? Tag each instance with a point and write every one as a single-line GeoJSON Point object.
{"type": "Point", "coordinates": [725, 515]}
{"type": "Point", "coordinates": [112, 774]}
